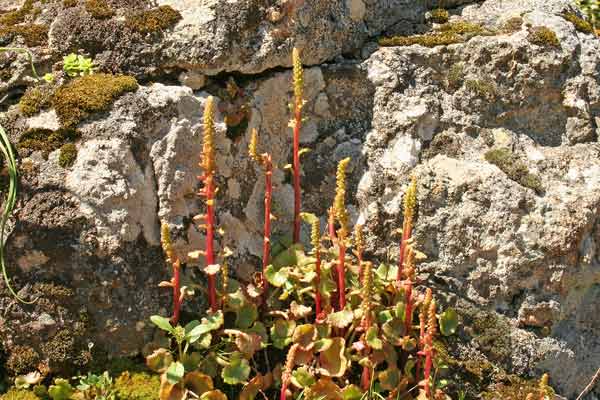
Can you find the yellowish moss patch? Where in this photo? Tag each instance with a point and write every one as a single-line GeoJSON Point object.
{"type": "Point", "coordinates": [35, 99]}
{"type": "Point", "coordinates": [33, 34]}
{"type": "Point", "coordinates": [17, 16]}
{"type": "Point", "coordinates": [154, 20]}
{"type": "Point", "coordinates": [68, 155]}
{"type": "Point", "coordinates": [70, 3]}
{"type": "Point", "coordinates": [485, 89]}
{"type": "Point", "coordinates": [137, 386]}
{"type": "Point", "coordinates": [90, 94]}
{"type": "Point", "coordinates": [99, 9]}
{"type": "Point", "coordinates": [439, 16]}
{"type": "Point", "coordinates": [543, 36]}
{"type": "Point", "coordinates": [580, 24]}
{"type": "Point", "coordinates": [432, 40]}
{"type": "Point", "coordinates": [512, 166]}
{"type": "Point", "coordinates": [17, 394]}
{"type": "Point", "coordinates": [46, 140]}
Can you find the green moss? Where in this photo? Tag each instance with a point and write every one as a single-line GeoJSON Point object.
{"type": "Point", "coordinates": [157, 19]}
{"type": "Point", "coordinates": [90, 94]}
{"type": "Point", "coordinates": [439, 16]}
{"type": "Point", "coordinates": [516, 169]}
{"type": "Point", "coordinates": [512, 388]}
{"type": "Point", "coordinates": [22, 359]}
{"type": "Point", "coordinates": [33, 34]}
{"type": "Point", "coordinates": [19, 394]}
{"type": "Point", "coordinates": [456, 75]}
{"type": "Point", "coordinates": [46, 140]}
{"type": "Point", "coordinates": [68, 155]}
{"type": "Point", "coordinates": [17, 16]}
{"type": "Point", "coordinates": [543, 36]}
{"type": "Point", "coordinates": [580, 24]}
{"type": "Point", "coordinates": [35, 99]}
{"type": "Point", "coordinates": [481, 88]}
{"type": "Point", "coordinates": [463, 28]}
{"type": "Point", "coordinates": [99, 9]}
{"type": "Point", "coordinates": [137, 386]}
{"type": "Point", "coordinates": [432, 40]}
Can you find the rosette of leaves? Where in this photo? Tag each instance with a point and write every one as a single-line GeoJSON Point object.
{"type": "Point", "coordinates": [183, 376]}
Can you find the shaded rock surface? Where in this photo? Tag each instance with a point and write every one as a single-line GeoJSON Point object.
{"type": "Point", "coordinates": [516, 250]}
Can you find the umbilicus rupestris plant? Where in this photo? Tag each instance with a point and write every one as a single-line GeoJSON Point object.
{"type": "Point", "coordinates": [296, 124]}
{"type": "Point", "coordinates": [410, 203]}
{"type": "Point", "coordinates": [266, 161]}
{"type": "Point", "coordinates": [165, 240]}
{"type": "Point", "coordinates": [341, 214]}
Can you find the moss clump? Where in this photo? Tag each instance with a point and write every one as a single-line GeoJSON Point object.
{"type": "Point", "coordinates": [99, 9]}
{"type": "Point", "coordinates": [68, 155]}
{"type": "Point", "coordinates": [46, 140]}
{"type": "Point", "coordinates": [19, 394]}
{"type": "Point", "coordinates": [137, 386]}
{"type": "Point", "coordinates": [18, 16]}
{"type": "Point", "coordinates": [512, 166]}
{"type": "Point", "coordinates": [463, 28]}
{"type": "Point", "coordinates": [512, 25]}
{"type": "Point", "coordinates": [433, 40]}
{"type": "Point", "coordinates": [154, 20]}
{"type": "Point", "coordinates": [456, 75]}
{"type": "Point", "coordinates": [512, 388]}
{"type": "Point", "coordinates": [580, 24]}
{"type": "Point", "coordinates": [22, 359]}
{"type": "Point", "coordinates": [440, 16]}
{"type": "Point", "coordinates": [90, 94]}
{"type": "Point", "coordinates": [70, 3]}
{"type": "Point", "coordinates": [543, 36]}
{"type": "Point", "coordinates": [33, 34]}
{"type": "Point", "coordinates": [35, 99]}
{"type": "Point", "coordinates": [482, 88]}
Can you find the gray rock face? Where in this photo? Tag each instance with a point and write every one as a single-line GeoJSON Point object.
{"type": "Point", "coordinates": [513, 242]}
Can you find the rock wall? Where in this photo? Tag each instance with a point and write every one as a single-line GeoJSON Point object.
{"type": "Point", "coordinates": [500, 130]}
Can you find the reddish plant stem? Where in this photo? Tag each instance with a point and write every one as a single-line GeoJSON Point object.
{"type": "Point", "coordinates": [365, 378]}
{"type": "Point", "coordinates": [176, 292]}
{"type": "Point", "coordinates": [331, 225]}
{"type": "Point", "coordinates": [318, 284]}
{"type": "Point", "coordinates": [268, 163]}
{"type": "Point", "coordinates": [406, 232]}
{"type": "Point", "coordinates": [428, 364]}
{"type": "Point", "coordinates": [209, 190]}
{"type": "Point", "coordinates": [341, 279]}
{"type": "Point", "coordinates": [297, 194]}
{"type": "Point", "coordinates": [408, 317]}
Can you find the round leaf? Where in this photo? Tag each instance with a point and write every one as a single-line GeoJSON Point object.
{"type": "Point", "coordinates": [175, 372]}
{"type": "Point", "coordinates": [162, 322]}
{"type": "Point", "coordinates": [448, 322]}
{"type": "Point", "coordinates": [236, 371]}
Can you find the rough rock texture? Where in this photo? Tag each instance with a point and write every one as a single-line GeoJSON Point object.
{"type": "Point", "coordinates": [502, 134]}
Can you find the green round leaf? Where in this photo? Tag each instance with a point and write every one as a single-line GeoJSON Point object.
{"type": "Point", "coordinates": [448, 322]}
{"type": "Point", "coordinates": [162, 322]}
{"type": "Point", "coordinates": [236, 371]}
{"type": "Point", "coordinates": [175, 372]}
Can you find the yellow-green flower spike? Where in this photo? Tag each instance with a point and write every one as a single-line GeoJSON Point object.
{"type": "Point", "coordinates": [298, 78]}
{"type": "Point", "coordinates": [208, 150]}
{"type": "Point", "coordinates": [165, 240]}
{"type": "Point", "coordinates": [432, 326]}
{"type": "Point", "coordinates": [339, 203]}
{"type": "Point", "coordinates": [253, 146]}
{"type": "Point", "coordinates": [410, 199]}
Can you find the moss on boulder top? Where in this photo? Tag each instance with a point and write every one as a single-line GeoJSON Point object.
{"type": "Point", "coordinates": [154, 20]}
{"type": "Point", "coordinates": [46, 140]}
{"type": "Point", "coordinates": [89, 94]}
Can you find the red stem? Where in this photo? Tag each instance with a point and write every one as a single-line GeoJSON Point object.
{"type": "Point", "coordinates": [282, 395]}
{"type": "Point", "coordinates": [428, 364]}
{"type": "Point", "coordinates": [176, 290]}
{"type": "Point", "coordinates": [406, 232]}
{"type": "Point", "coordinates": [297, 193]}
{"type": "Point", "coordinates": [210, 233]}
{"type": "Point", "coordinates": [409, 307]}
{"type": "Point", "coordinates": [331, 225]}
{"type": "Point", "coordinates": [365, 378]}
{"type": "Point", "coordinates": [341, 279]}
{"type": "Point", "coordinates": [318, 283]}
{"type": "Point", "coordinates": [267, 227]}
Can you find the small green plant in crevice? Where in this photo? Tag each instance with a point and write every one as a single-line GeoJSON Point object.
{"type": "Point", "coordinates": [99, 9]}
{"type": "Point", "coordinates": [77, 65]}
{"type": "Point", "coordinates": [482, 88]}
{"type": "Point", "coordinates": [591, 8]}
{"type": "Point", "coordinates": [96, 387]}
{"type": "Point", "coordinates": [512, 25]}
{"type": "Point", "coordinates": [154, 20]}
{"type": "Point", "coordinates": [68, 155]}
{"type": "Point", "coordinates": [455, 75]}
{"type": "Point", "coordinates": [543, 36]}
{"type": "Point", "coordinates": [516, 169]}
{"type": "Point", "coordinates": [89, 94]}
{"type": "Point", "coordinates": [235, 108]}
